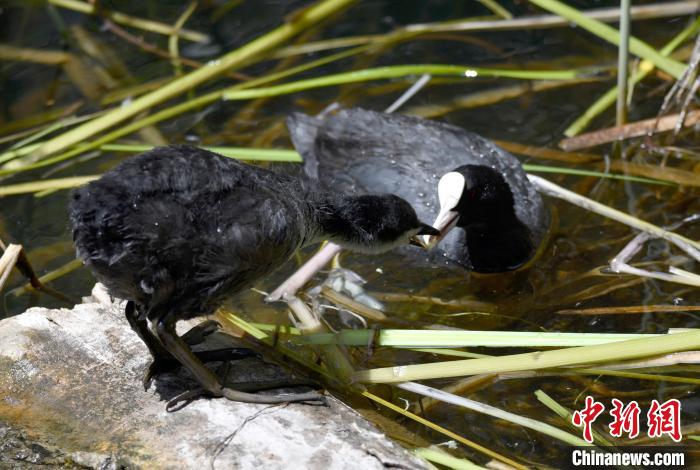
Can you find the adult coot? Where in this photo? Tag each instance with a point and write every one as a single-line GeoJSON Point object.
{"type": "Point", "coordinates": [177, 229]}
{"type": "Point", "coordinates": [484, 191]}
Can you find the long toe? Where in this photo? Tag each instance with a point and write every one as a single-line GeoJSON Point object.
{"type": "Point", "coordinates": [181, 400]}
{"type": "Point", "coordinates": [308, 397]}
{"type": "Point", "coordinates": [272, 384]}
{"type": "Point", "coordinates": [226, 354]}
{"type": "Point", "coordinates": [197, 334]}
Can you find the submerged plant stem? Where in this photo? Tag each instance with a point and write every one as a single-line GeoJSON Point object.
{"type": "Point", "coordinates": [446, 432]}
{"type": "Point", "coordinates": [637, 47]}
{"type": "Point", "coordinates": [530, 423]}
{"type": "Point", "coordinates": [645, 68]}
{"type": "Point", "coordinates": [249, 53]}
{"type": "Point", "coordinates": [139, 23]}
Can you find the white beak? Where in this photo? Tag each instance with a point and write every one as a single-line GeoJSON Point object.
{"type": "Point", "coordinates": [450, 189]}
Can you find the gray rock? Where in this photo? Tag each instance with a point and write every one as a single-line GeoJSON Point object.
{"type": "Point", "coordinates": [71, 393]}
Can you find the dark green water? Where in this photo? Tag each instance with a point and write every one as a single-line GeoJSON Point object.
{"type": "Point", "coordinates": [579, 242]}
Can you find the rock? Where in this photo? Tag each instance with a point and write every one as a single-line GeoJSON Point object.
{"type": "Point", "coordinates": [71, 395]}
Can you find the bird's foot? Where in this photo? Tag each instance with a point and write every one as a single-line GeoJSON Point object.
{"type": "Point", "coordinates": [348, 282]}
{"type": "Point", "coordinates": [183, 399]}
{"type": "Point", "coordinates": [237, 395]}
{"type": "Point", "coordinates": [160, 365]}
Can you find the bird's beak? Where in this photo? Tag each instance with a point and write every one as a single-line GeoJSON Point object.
{"type": "Point", "coordinates": [424, 232]}
{"type": "Point", "coordinates": [450, 189]}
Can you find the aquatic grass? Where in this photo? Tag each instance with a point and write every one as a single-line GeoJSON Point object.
{"type": "Point", "coordinates": [23, 54]}
{"type": "Point", "coordinates": [246, 154]}
{"type": "Point", "coordinates": [634, 129]}
{"type": "Point", "coordinates": [443, 458]}
{"type": "Point", "coordinates": [400, 71]}
{"type": "Point", "coordinates": [623, 62]}
{"type": "Point", "coordinates": [644, 69]}
{"type": "Point", "coordinates": [630, 310]}
{"type": "Point", "coordinates": [603, 31]}
{"type": "Point", "coordinates": [239, 153]}
{"type": "Point", "coordinates": [43, 185]}
{"type": "Point", "coordinates": [245, 55]}
{"type": "Point", "coordinates": [52, 275]}
{"type": "Point", "coordinates": [636, 375]}
{"type": "Point", "coordinates": [14, 256]}
{"type": "Point", "coordinates": [444, 431]}
{"type": "Point", "coordinates": [173, 44]}
{"type": "Point", "coordinates": [544, 428]}
{"type": "Point", "coordinates": [465, 338]}
{"type": "Point", "coordinates": [496, 8]}
{"type": "Point", "coordinates": [619, 351]}
{"type": "Point", "coordinates": [229, 320]}
{"type": "Point", "coordinates": [22, 127]}
{"type": "Point", "coordinates": [566, 417]}
{"type": "Point", "coordinates": [557, 191]}
{"type": "Point", "coordinates": [134, 22]}
{"type": "Point", "coordinates": [170, 112]}
{"type": "Point", "coordinates": [492, 96]}
{"type": "Point", "coordinates": [276, 155]}
{"type": "Point", "coordinates": [665, 173]}
{"type": "Point", "coordinates": [413, 31]}
{"type": "Point", "coordinates": [596, 174]}
{"type": "Point", "coordinates": [10, 255]}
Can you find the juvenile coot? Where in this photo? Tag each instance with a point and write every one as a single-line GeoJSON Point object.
{"type": "Point", "coordinates": [500, 214]}
{"type": "Point", "coordinates": [177, 229]}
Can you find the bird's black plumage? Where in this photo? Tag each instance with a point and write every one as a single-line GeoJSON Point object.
{"type": "Point", "coordinates": [178, 228]}
{"type": "Point", "coordinates": [503, 217]}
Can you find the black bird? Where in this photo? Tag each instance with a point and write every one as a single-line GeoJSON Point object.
{"type": "Point", "coordinates": [483, 190]}
{"type": "Point", "coordinates": [177, 229]}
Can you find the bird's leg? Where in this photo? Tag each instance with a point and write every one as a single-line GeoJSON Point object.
{"type": "Point", "coordinates": [163, 361]}
{"type": "Point", "coordinates": [163, 327]}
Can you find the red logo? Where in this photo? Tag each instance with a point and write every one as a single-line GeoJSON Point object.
{"type": "Point", "coordinates": [587, 416]}
{"type": "Point", "coordinates": [664, 418]}
{"type": "Point", "coordinates": [624, 419]}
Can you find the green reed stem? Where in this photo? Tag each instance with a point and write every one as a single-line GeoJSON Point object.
{"type": "Point", "coordinates": [610, 34]}
{"type": "Point", "coordinates": [245, 55]}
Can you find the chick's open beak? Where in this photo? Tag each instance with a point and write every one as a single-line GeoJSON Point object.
{"type": "Point", "coordinates": [425, 231]}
